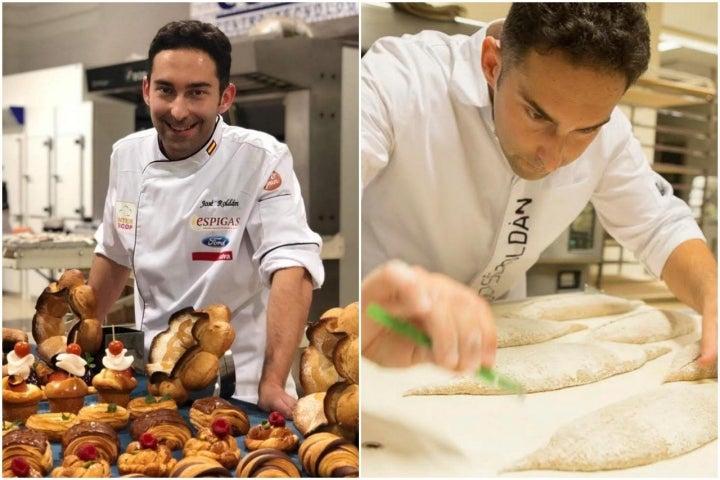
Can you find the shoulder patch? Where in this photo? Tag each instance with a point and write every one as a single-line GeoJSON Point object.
{"type": "Point", "coordinates": [273, 182]}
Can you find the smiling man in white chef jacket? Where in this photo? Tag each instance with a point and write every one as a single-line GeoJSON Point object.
{"type": "Point", "coordinates": [204, 213]}
{"type": "Point", "coordinates": [477, 152]}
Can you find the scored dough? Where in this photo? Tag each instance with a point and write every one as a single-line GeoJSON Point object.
{"type": "Point", "coordinates": [652, 426]}
{"type": "Point", "coordinates": [551, 366]}
{"type": "Point", "coordinates": [512, 332]}
{"type": "Point", "coordinates": [684, 366]}
{"type": "Point", "coordinates": [570, 306]}
{"type": "Point", "coordinates": [645, 326]}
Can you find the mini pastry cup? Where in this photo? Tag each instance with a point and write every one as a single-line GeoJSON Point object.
{"type": "Point", "coordinates": [66, 404]}
{"type": "Point", "coordinates": [12, 412]}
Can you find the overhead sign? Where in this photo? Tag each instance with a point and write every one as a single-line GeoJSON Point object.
{"type": "Point", "coordinates": [236, 19]}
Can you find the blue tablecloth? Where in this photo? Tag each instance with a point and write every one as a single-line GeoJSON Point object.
{"type": "Point", "coordinates": [254, 413]}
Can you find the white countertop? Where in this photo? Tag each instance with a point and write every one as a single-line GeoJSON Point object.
{"type": "Point", "coordinates": [477, 436]}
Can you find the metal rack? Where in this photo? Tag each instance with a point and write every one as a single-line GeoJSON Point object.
{"type": "Point", "coordinates": [680, 139]}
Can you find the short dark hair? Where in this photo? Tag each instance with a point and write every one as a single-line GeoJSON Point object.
{"type": "Point", "coordinates": [195, 35]}
{"type": "Point", "coordinates": [609, 36]}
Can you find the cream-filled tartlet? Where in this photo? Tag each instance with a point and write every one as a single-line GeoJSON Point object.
{"type": "Point", "coordinates": [116, 381]}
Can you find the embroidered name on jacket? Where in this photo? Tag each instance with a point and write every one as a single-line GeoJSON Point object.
{"type": "Point", "coordinates": [214, 223]}
{"type": "Point", "coordinates": [230, 202]}
{"type": "Point", "coordinates": [514, 246]}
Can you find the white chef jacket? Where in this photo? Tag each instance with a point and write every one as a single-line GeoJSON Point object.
{"type": "Point", "coordinates": [211, 228]}
{"type": "Point", "coordinates": [438, 191]}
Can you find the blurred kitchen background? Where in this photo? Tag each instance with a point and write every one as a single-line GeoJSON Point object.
{"type": "Point", "coordinates": [72, 77]}
{"type": "Point", "coordinates": [673, 109]}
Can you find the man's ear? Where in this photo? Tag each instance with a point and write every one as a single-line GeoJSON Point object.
{"type": "Point", "coordinates": [490, 60]}
{"type": "Point", "coordinates": [227, 97]}
{"type": "Point", "coordinates": [146, 89]}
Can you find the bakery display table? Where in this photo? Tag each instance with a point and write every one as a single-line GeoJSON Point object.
{"type": "Point", "coordinates": [255, 415]}
{"type": "Point", "coordinates": [478, 436]}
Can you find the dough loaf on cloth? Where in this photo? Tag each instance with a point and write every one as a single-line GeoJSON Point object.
{"type": "Point", "coordinates": [684, 366]}
{"type": "Point", "coordinates": [573, 306]}
{"type": "Point", "coordinates": [512, 331]}
{"type": "Point", "coordinates": [645, 326]}
{"type": "Point", "coordinates": [652, 426]}
{"type": "Point", "coordinates": [552, 366]}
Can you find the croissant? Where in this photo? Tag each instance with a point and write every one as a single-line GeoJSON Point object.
{"type": "Point", "coordinates": [267, 463]}
{"type": "Point", "coordinates": [199, 467]}
{"type": "Point", "coordinates": [29, 445]}
{"type": "Point", "coordinates": [205, 410]}
{"type": "Point", "coordinates": [167, 425]}
{"type": "Point", "coordinates": [99, 434]}
{"type": "Point", "coordinates": [328, 455]}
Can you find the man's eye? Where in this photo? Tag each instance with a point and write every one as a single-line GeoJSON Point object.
{"type": "Point", "coordinates": [197, 93]}
{"type": "Point", "coordinates": [164, 90]}
{"type": "Point", "coordinates": [588, 131]}
{"type": "Point", "coordinates": [534, 115]}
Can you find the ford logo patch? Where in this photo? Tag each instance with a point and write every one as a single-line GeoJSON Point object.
{"type": "Point", "coordinates": [215, 241]}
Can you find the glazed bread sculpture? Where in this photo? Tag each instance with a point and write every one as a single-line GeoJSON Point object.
{"type": "Point", "coordinates": [69, 293]}
{"type": "Point", "coordinates": [185, 357]}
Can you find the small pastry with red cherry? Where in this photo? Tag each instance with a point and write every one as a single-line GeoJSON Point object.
{"type": "Point", "coordinates": [146, 456]}
{"type": "Point", "coordinates": [85, 463]}
{"type": "Point", "coordinates": [272, 433]}
{"type": "Point", "coordinates": [20, 398]}
{"type": "Point", "coordinates": [215, 442]}
{"type": "Point", "coordinates": [20, 468]}
{"type": "Point", "coordinates": [115, 382]}
{"type": "Point", "coordinates": [66, 389]}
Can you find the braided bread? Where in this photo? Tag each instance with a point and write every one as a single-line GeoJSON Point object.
{"type": "Point", "coordinates": [74, 467]}
{"type": "Point", "coordinates": [224, 449]}
{"type": "Point", "coordinates": [267, 463]}
{"type": "Point", "coordinates": [268, 436]}
{"type": "Point", "coordinates": [152, 462]}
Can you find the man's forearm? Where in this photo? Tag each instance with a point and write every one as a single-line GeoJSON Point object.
{"type": "Point", "coordinates": [108, 280]}
{"type": "Point", "coordinates": [288, 306]}
{"type": "Point", "coordinates": [691, 274]}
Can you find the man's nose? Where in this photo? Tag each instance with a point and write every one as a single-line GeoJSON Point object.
{"type": "Point", "coordinates": [178, 108]}
{"type": "Point", "coordinates": [551, 153]}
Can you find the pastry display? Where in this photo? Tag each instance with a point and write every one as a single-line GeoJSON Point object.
{"type": "Point", "coordinates": [31, 446]}
{"type": "Point", "coordinates": [215, 442]}
{"type": "Point", "coordinates": [54, 425]}
{"type": "Point", "coordinates": [199, 467]}
{"type": "Point", "coordinates": [20, 468]}
{"type": "Point", "coordinates": [168, 426]}
{"type": "Point", "coordinates": [146, 456]}
{"type": "Point", "coordinates": [98, 434]}
{"type": "Point", "coordinates": [272, 433]}
{"type": "Point", "coordinates": [204, 410]}
{"type": "Point", "coordinates": [267, 463]}
{"type": "Point", "coordinates": [20, 398]}
{"type": "Point", "coordinates": [69, 293]}
{"type": "Point", "coordinates": [66, 389]}
{"type": "Point", "coordinates": [329, 374]}
{"type": "Point", "coordinates": [115, 382]}
{"type": "Point", "coordinates": [86, 463]}
{"type": "Point", "coordinates": [185, 357]}
{"type": "Point", "coordinates": [327, 455]}
{"type": "Point", "coordinates": [114, 415]}
{"type": "Point", "coordinates": [138, 406]}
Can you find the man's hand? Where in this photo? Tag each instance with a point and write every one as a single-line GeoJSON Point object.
{"type": "Point", "coordinates": [454, 316]}
{"type": "Point", "coordinates": [272, 397]}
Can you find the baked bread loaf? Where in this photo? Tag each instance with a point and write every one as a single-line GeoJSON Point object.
{"type": "Point", "coordinates": [168, 426]}
{"type": "Point", "coordinates": [87, 463]}
{"type": "Point", "coordinates": [272, 433]}
{"type": "Point", "coordinates": [149, 403]}
{"type": "Point", "coordinates": [114, 415]}
{"type": "Point", "coordinates": [31, 446]}
{"type": "Point", "coordinates": [327, 455]}
{"type": "Point", "coordinates": [317, 372]}
{"type": "Point", "coordinates": [146, 456]}
{"type": "Point", "coordinates": [215, 442]}
{"type": "Point", "coordinates": [199, 467]}
{"type": "Point", "coordinates": [346, 358]}
{"type": "Point", "coordinates": [204, 410]}
{"type": "Point", "coordinates": [185, 356]}
{"type": "Point", "coordinates": [53, 425]}
{"type": "Point", "coordinates": [341, 407]}
{"type": "Point", "coordinates": [101, 435]}
{"type": "Point", "coordinates": [267, 463]}
{"type": "Point", "coordinates": [309, 413]}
